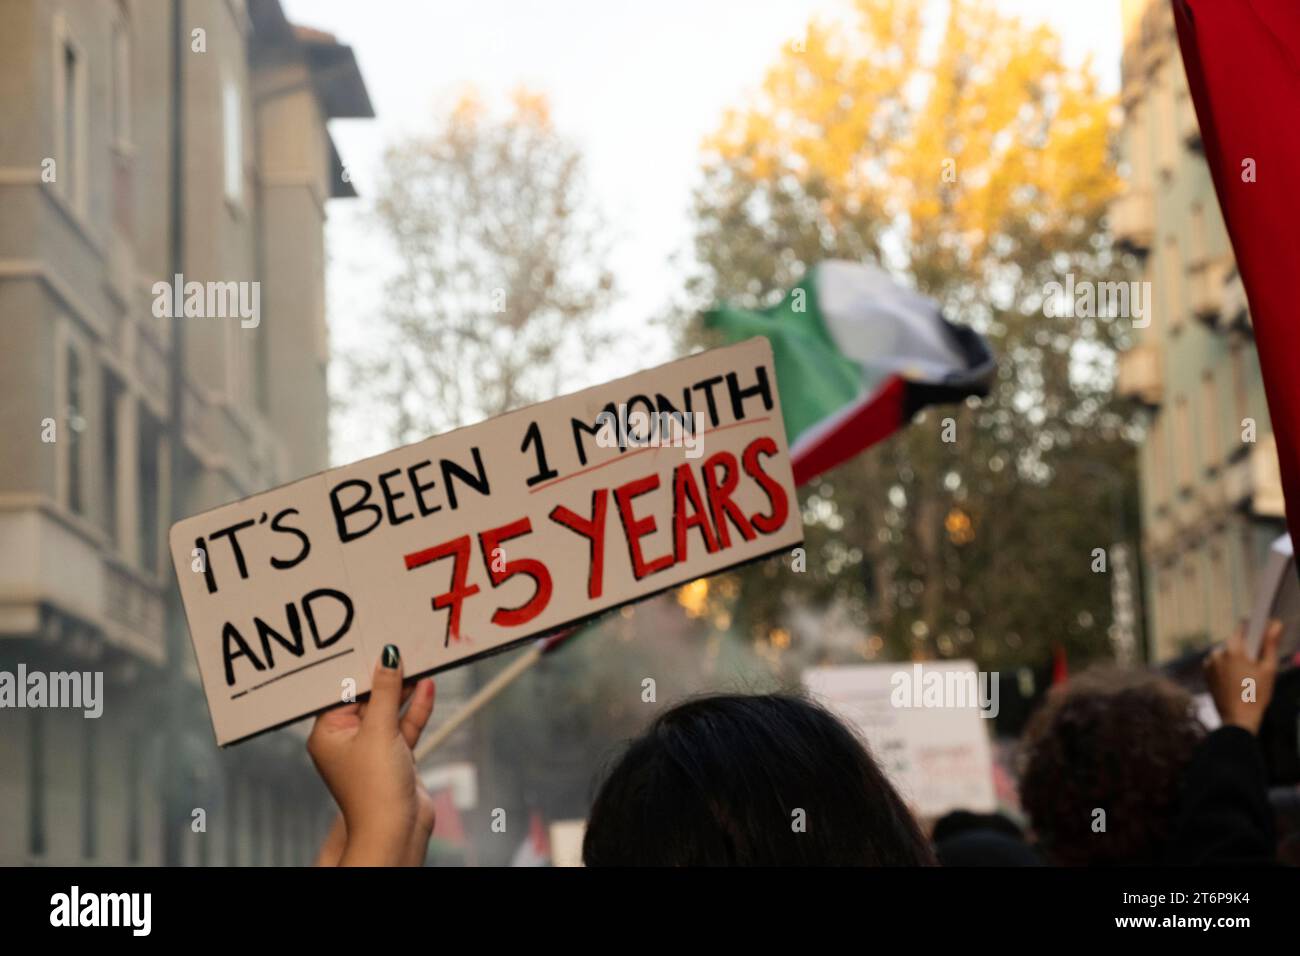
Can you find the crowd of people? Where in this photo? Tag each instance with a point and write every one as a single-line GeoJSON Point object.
{"type": "Point", "coordinates": [1116, 769]}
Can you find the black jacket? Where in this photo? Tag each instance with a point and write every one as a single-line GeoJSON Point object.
{"type": "Point", "coordinates": [1223, 817]}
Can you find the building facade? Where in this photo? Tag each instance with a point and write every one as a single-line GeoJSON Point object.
{"type": "Point", "coordinates": [1210, 486]}
{"type": "Point", "coordinates": [142, 139]}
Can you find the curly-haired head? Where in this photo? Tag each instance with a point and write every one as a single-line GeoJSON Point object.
{"type": "Point", "coordinates": [1112, 740]}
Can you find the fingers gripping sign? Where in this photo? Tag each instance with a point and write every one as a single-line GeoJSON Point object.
{"type": "Point", "coordinates": [1241, 683]}
{"type": "Point", "coordinates": [363, 752]}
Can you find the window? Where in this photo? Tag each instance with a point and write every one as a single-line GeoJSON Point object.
{"type": "Point", "coordinates": [1174, 278]}
{"type": "Point", "coordinates": [121, 85]}
{"type": "Point", "coordinates": [1183, 442]}
{"type": "Point", "coordinates": [1212, 417]}
{"type": "Point", "coordinates": [1200, 246]}
{"type": "Point", "coordinates": [134, 768]}
{"type": "Point", "coordinates": [232, 135]}
{"type": "Point", "coordinates": [1169, 466]}
{"type": "Point", "coordinates": [35, 783]}
{"type": "Point", "coordinates": [89, 836]}
{"type": "Point", "coordinates": [148, 460]}
{"type": "Point", "coordinates": [71, 131]}
{"type": "Point", "coordinates": [1167, 145]}
{"type": "Point", "coordinates": [1165, 604]}
{"type": "Point", "coordinates": [69, 118]}
{"type": "Point", "coordinates": [112, 394]}
{"type": "Point", "coordinates": [74, 425]}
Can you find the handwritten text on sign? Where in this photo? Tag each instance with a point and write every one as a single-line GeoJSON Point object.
{"type": "Point", "coordinates": [461, 544]}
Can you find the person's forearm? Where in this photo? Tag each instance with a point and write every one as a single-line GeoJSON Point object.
{"type": "Point", "coordinates": [366, 853]}
{"type": "Point", "coordinates": [336, 841]}
{"type": "Point", "coordinates": [378, 848]}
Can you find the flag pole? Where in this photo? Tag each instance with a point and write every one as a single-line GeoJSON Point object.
{"type": "Point", "coordinates": [488, 691]}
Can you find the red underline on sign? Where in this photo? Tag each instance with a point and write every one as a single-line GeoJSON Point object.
{"type": "Point", "coordinates": [640, 451]}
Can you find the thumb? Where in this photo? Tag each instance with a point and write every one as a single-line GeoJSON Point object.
{"type": "Point", "coordinates": [1237, 642]}
{"type": "Point", "coordinates": [385, 694]}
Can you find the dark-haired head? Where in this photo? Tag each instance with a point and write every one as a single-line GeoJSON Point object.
{"type": "Point", "coordinates": [750, 780]}
{"type": "Point", "coordinates": [1112, 741]}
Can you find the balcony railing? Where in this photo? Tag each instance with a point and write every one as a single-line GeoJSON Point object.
{"type": "Point", "coordinates": [134, 608]}
{"type": "Point", "coordinates": [67, 570]}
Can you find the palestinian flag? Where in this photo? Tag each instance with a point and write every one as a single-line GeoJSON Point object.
{"type": "Point", "coordinates": [857, 355]}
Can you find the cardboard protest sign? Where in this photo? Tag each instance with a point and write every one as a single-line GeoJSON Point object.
{"type": "Point", "coordinates": [1276, 597]}
{"type": "Point", "coordinates": [924, 724]}
{"type": "Point", "coordinates": [468, 542]}
{"type": "Point", "coordinates": [566, 842]}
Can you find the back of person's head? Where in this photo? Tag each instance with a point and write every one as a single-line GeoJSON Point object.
{"type": "Point", "coordinates": [965, 838]}
{"type": "Point", "coordinates": [749, 780]}
{"type": "Point", "coordinates": [1114, 741]}
{"type": "Point", "coordinates": [957, 822]}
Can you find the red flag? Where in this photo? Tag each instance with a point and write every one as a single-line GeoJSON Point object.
{"type": "Point", "coordinates": [1060, 667]}
{"type": "Point", "coordinates": [1242, 59]}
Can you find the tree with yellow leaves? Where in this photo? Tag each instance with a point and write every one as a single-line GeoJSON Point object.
{"type": "Point", "coordinates": [968, 156]}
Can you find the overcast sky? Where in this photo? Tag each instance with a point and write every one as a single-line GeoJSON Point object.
{"type": "Point", "coordinates": [637, 84]}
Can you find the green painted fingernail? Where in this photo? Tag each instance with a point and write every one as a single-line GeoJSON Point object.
{"type": "Point", "coordinates": [392, 656]}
